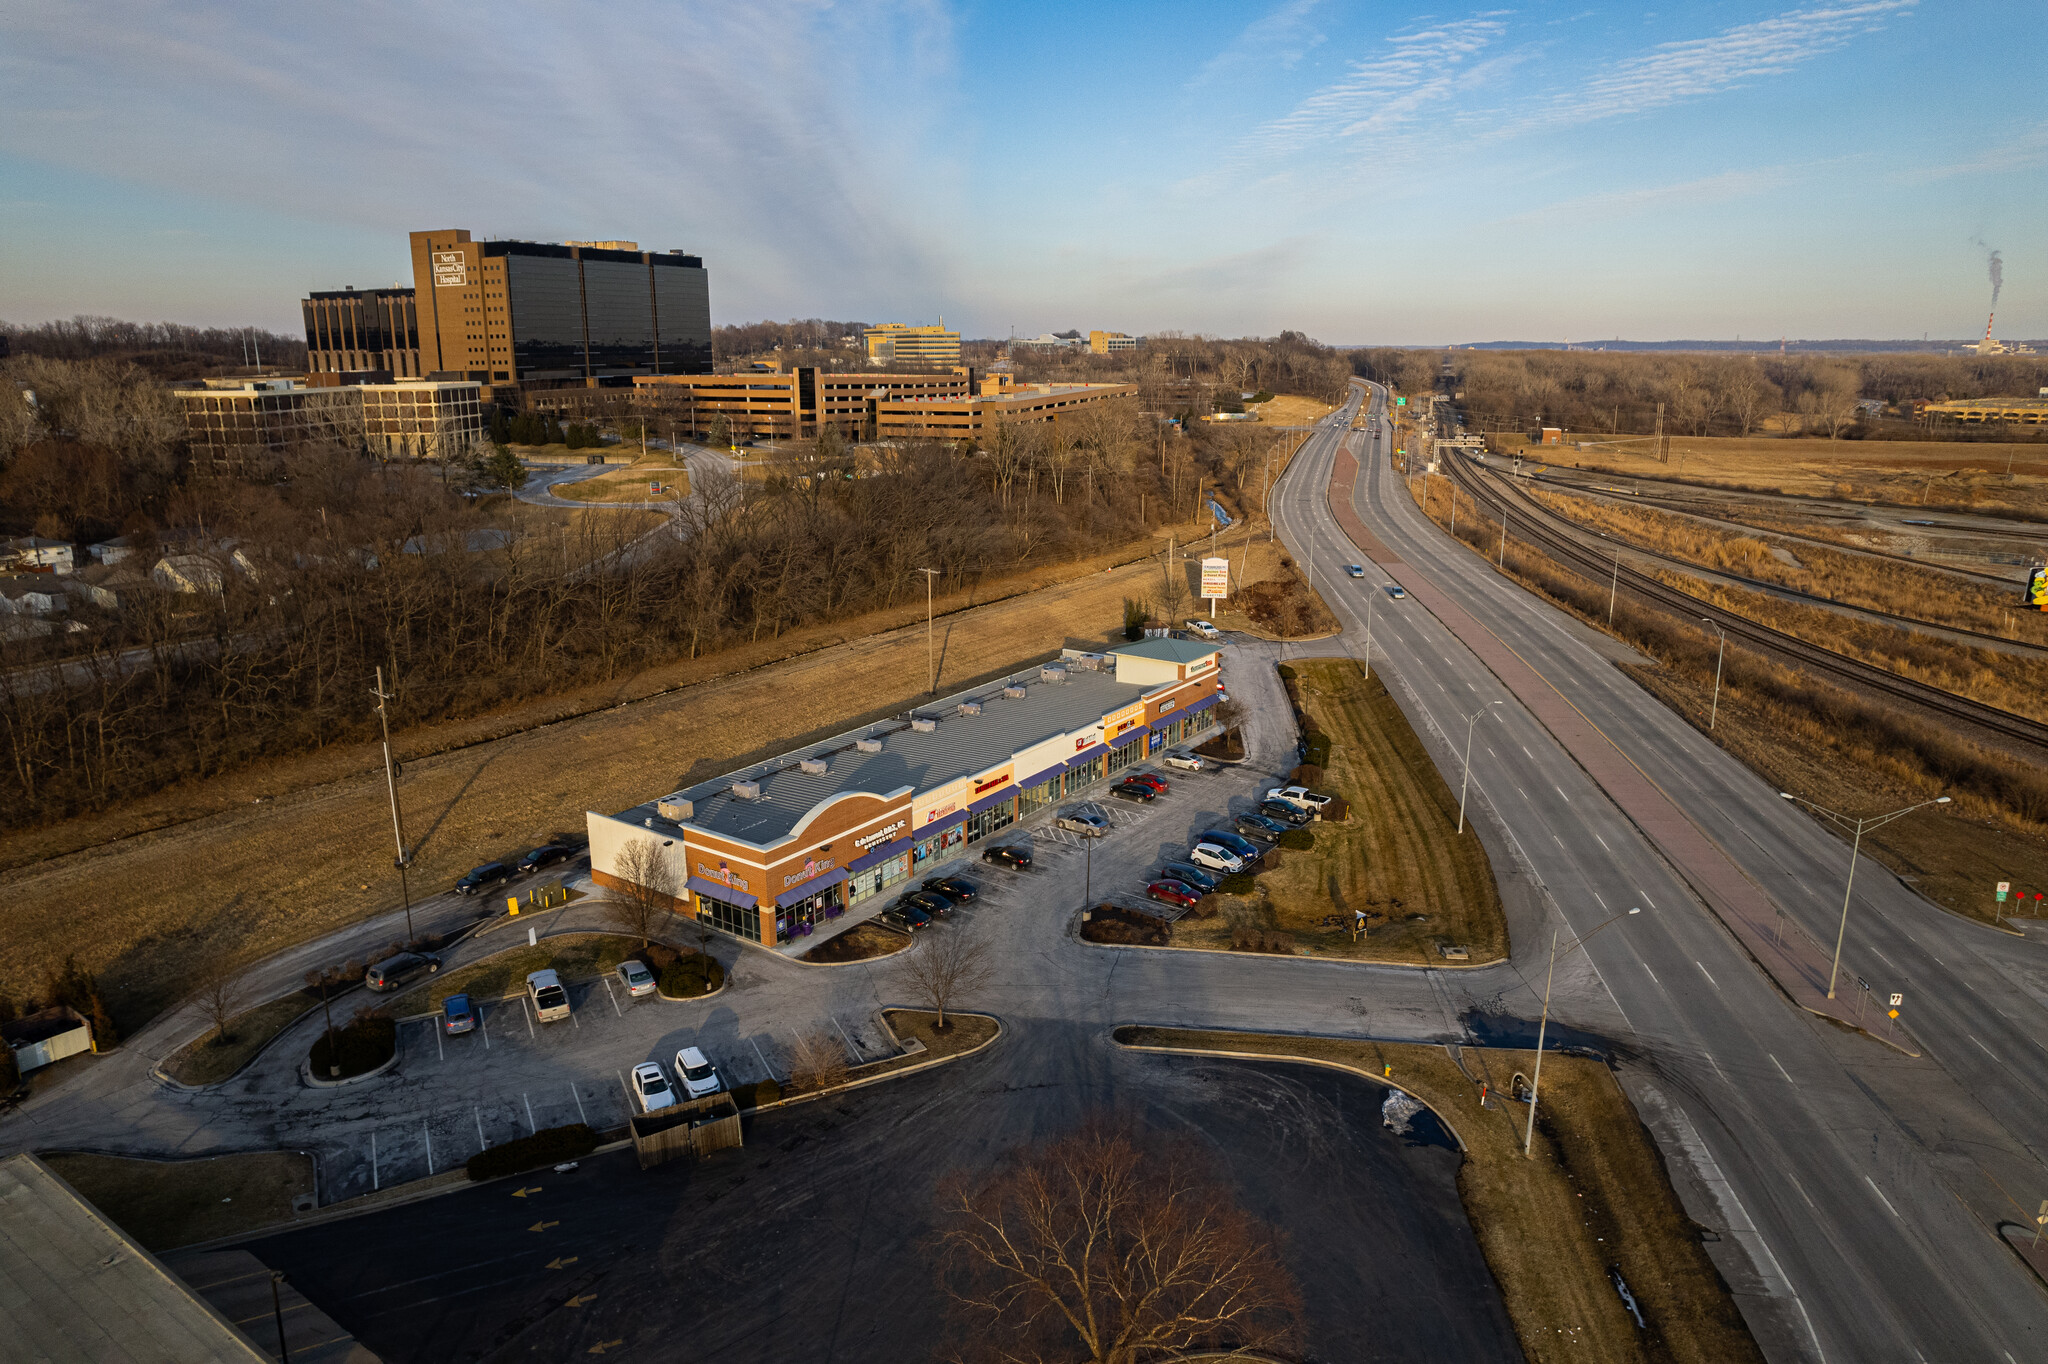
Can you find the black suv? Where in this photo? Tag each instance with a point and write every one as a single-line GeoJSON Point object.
{"type": "Point", "coordinates": [546, 855]}
{"type": "Point", "coordinates": [1134, 790]}
{"type": "Point", "coordinates": [931, 902]}
{"type": "Point", "coordinates": [1285, 813]}
{"type": "Point", "coordinates": [1259, 827]}
{"type": "Point", "coordinates": [954, 888]}
{"type": "Point", "coordinates": [1013, 856]}
{"type": "Point", "coordinates": [489, 874]}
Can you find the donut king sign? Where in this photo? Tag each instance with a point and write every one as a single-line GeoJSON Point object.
{"type": "Point", "coordinates": [881, 835]}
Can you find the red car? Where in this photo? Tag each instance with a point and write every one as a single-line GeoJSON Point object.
{"type": "Point", "coordinates": [1173, 893]}
{"type": "Point", "coordinates": [1151, 779]}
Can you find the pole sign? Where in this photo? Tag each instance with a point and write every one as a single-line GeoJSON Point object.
{"type": "Point", "coordinates": [1897, 1000]}
{"type": "Point", "coordinates": [2003, 887]}
{"type": "Point", "coordinates": [1215, 578]}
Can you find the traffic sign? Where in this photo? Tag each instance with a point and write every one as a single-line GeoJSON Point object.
{"type": "Point", "coordinates": [1897, 1000]}
{"type": "Point", "coordinates": [2003, 887]}
{"type": "Point", "coordinates": [1894, 1013]}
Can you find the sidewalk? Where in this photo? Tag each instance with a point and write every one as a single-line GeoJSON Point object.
{"type": "Point", "coordinates": [1797, 964]}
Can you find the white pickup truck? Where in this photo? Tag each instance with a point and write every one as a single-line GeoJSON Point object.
{"type": "Point", "coordinates": [550, 1000]}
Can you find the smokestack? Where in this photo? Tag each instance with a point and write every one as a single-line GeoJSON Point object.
{"type": "Point", "coordinates": [1987, 327]}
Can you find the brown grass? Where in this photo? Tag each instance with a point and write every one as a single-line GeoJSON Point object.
{"type": "Point", "coordinates": [1804, 735]}
{"type": "Point", "coordinates": [204, 1061]}
{"type": "Point", "coordinates": [964, 1032]}
{"type": "Point", "coordinates": [242, 866]}
{"type": "Point", "coordinates": [169, 1203]}
{"type": "Point", "coordinates": [630, 485]}
{"type": "Point", "coordinates": [1596, 1194]}
{"type": "Point", "coordinates": [1397, 857]}
{"type": "Point", "coordinates": [862, 942]}
{"type": "Point", "coordinates": [1967, 476]}
{"type": "Point", "coordinates": [1291, 410]}
{"type": "Point", "coordinates": [575, 956]}
{"type": "Point", "coordinates": [1852, 579]}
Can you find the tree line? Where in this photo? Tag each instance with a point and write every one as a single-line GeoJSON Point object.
{"type": "Point", "coordinates": [87, 337]}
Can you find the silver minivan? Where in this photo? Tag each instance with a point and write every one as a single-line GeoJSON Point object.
{"type": "Point", "coordinates": [394, 971]}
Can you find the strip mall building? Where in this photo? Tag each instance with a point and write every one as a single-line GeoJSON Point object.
{"type": "Point", "coordinates": [769, 851]}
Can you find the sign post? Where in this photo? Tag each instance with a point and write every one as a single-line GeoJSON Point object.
{"type": "Point", "coordinates": [1215, 582]}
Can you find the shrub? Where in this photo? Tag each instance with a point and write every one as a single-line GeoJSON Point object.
{"type": "Point", "coordinates": [1269, 861]}
{"type": "Point", "coordinates": [1301, 840]}
{"type": "Point", "coordinates": [1237, 883]}
{"type": "Point", "coordinates": [1336, 812]}
{"type": "Point", "coordinates": [1204, 908]}
{"type": "Point", "coordinates": [1307, 774]}
{"type": "Point", "coordinates": [690, 975]}
{"type": "Point", "coordinates": [549, 1146]}
{"type": "Point", "coordinates": [10, 1071]}
{"type": "Point", "coordinates": [367, 1042]}
{"type": "Point", "coordinates": [658, 957]}
{"type": "Point", "coordinates": [757, 1094]}
{"type": "Point", "coordinates": [1318, 750]}
{"type": "Point", "coordinates": [1286, 672]}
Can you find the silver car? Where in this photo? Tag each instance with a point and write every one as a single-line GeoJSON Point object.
{"type": "Point", "coordinates": [635, 976]}
{"type": "Point", "coordinates": [1081, 820]}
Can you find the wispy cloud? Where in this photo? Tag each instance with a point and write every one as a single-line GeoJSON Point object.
{"type": "Point", "coordinates": [1622, 203]}
{"type": "Point", "coordinates": [1281, 38]}
{"type": "Point", "coordinates": [2027, 150]}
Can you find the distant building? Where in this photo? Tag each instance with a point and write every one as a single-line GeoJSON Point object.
{"type": "Point", "coordinates": [33, 554]}
{"type": "Point", "coordinates": [32, 594]}
{"type": "Point", "coordinates": [1002, 402]}
{"type": "Point", "coordinates": [792, 404]}
{"type": "Point", "coordinates": [348, 331]}
{"type": "Point", "coordinates": [510, 312]}
{"type": "Point", "coordinates": [1110, 343]}
{"type": "Point", "coordinates": [894, 343]}
{"type": "Point", "coordinates": [1049, 341]}
{"type": "Point", "coordinates": [412, 419]}
{"type": "Point", "coordinates": [1983, 411]}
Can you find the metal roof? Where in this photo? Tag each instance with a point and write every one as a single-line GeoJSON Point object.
{"type": "Point", "coordinates": [73, 1287]}
{"type": "Point", "coordinates": [958, 746]}
{"type": "Point", "coordinates": [1168, 650]}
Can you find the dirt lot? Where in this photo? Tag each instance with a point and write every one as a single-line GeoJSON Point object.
{"type": "Point", "coordinates": [1291, 410]}
{"type": "Point", "coordinates": [1397, 857]}
{"type": "Point", "coordinates": [1596, 1194]}
{"type": "Point", "coordinates": [259, 859]}
{"type": "Point", "coordinates": [1965, 475]}
{"type": "Point", "coordinates": [169, 1203]}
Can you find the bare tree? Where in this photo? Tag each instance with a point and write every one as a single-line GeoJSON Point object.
{"type": "Point", "coordinates": [944, 967]}
{"type": "Point", "coordinates": [646, 891]}
{"type": "Point", "coordinates": [817, 1061]}
{"type": "Point", "coordinates": [220, 998]}
{"type": "Point", "coordinates": [1091, 1249]}
{"type": "Point", "coordinates": [1173, 592]}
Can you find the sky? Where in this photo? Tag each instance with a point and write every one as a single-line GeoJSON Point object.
{"type": "Point", "coordinates": [1367, 173]}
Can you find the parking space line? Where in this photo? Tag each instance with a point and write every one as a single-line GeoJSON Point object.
{"type": "Point", "coordinates": [373, 1162]}
{"type": "Point", "coordinates": [484, 1026]}
{"type": "Point", "coordinates": [441, 1050]}
{"type": "Point", "coordinates": [481, 1144]}
{"type": "Point", "coordinates": [768, 1069]}
{"type": "Point", "coordinates": [531, 1126]}
{"type": "Point", "coordinates": [614, 999]}
{"type": "Point", "coordinates": [527, 1014]}
{"type": "Point", "coordinates": [424, 1132]}
{"type": "Point", "coordinates": [856, 1050]}
{"type": "Point", "coordinates": [580, 1114]}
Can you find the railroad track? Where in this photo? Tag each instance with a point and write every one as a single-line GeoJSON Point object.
{"type": "Point", "coordinates": [1539, 526]}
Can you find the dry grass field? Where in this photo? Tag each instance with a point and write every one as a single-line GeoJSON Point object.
{"type": "Point", "coordinates": [631, 484]}
{"type": "Point", "coordinates": [1596, 1194]}
{"type": "Point", "coordinates": [1855, 580]}
{"type": "Point", "coordinates": [1953, 474]}
{"type": "Point", "coordinates": [241, 866]}
{"type": "Point", "coordinates": [1397, 857]}
{"type": "Point", "coordinates": [169, 1203]}
{"type": "Point", "coordinates": [1291, 410]}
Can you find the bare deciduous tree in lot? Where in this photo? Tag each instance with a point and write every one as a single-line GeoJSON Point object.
{"type": "Point", "coordinates": [817, 1061]}
{"type": "Point", "coordinates": [220, 998]}
{"type": "Point", "coordinates": [943, 967]}
{"type": "Point", "coordinates": [646, 891]}
{"type": "Point", "coordinates": [1091, 1248]}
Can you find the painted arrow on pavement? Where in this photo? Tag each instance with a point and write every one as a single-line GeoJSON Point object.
{"type": "Point", "coordinates": [580, 1300]}
{"type": "Point", "coordinates": [521, 1193]}
{"type": "Point", "coordinates": [604, 1345]}
{"type": "Point", "coordinates": [560, 1262]}
{"type": "Point", "coordinates": [543, 1226]}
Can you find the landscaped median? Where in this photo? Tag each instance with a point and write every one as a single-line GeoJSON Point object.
{"type": "Point", "coordinates": [574, 957]}
{"type": "Point", "coordinates": [1427, 890]}
{"type": "Point", "coordinates": [1594, 1200]}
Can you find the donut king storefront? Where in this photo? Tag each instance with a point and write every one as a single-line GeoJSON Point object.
{"type": "Point", "coordinates": [772, 852]}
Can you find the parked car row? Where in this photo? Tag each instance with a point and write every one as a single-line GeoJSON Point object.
{"type": "Point", "coordinates": [933, 900]}
{"type": "Point", "coordinates": [695, 1078]}
{"type": "Point", "coordinates": [1214, 854]}
{"type": "Point", "coordinates": [479, 879]}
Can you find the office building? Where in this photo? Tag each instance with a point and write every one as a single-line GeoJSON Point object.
{"type": "Point", "coordinates": [1002, 401]}
{"type": "Point", "coordinates": [351, 331]}
{"type": "Point", "coordinates": [231, 422]}
{"type": "Point", "coordinates": [894, 343]}
{"type": "Point", "coordinates": [1111, 343]}
{"type": "Point", "coordinates": [500, 312]}
{"type": "Point", "coordinates": [777, 850]}
{"type": "Point", "coordinates": [788, 404]}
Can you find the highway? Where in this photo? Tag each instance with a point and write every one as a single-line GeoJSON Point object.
{"type": "Point", "coordinates": [1870, 1178]}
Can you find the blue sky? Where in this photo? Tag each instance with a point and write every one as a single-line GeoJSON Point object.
{"type": "Point", "coordinates": [1362, 172]}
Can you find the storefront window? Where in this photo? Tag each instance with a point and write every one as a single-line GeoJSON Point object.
{"type": "Point", "coordinates": [1086, 775]}
{"type": "Point", "coordinates": [936, 845]}
{"type": "Point", "coordinates": [896, 869]}
{"type": "Point", "coordinates": [797, 920]}
{"type": "Point", "coordinates": [737, 920]}
{"type": "Point", "coordinates": [990, 820]}
{"type": "Point", "coordinates": [1038, 797]}
{"type": "Point", "coordinates": [863, 884]}
{"type": "Point", "coordinates": [1124, 756]}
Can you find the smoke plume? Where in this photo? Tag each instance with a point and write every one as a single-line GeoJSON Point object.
{"type": "Point", "coordinates": [1997, 277]}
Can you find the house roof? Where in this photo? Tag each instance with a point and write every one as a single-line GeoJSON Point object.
{"type": "Point", "coordinates": [1166, 650]}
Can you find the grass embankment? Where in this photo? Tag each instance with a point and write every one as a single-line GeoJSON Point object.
{"type": "Point", "coordinates": [574, 956]}
{"type": "Point", "coordinates": [1966, 475]}
{"type": "Point", "coordinates": [298, 864]}
{"type": "Point", "coordinates": [964, 1033]}
{"type": "Point", "coordinates": [1290, 409]}
{"type": "Point", "coordinates": [862, 942]}
{"type": "Point", "coordinates": [209, 1059]}
{"type": "Point", "coordinates": [1854, 580]}
{"type": "Point", "coordinates": [1595, 1195]}
{"type": "Point", "coordinates": [1398, 856]}
{"type": "Point", "coordinates": [169, 1203]}
{"type": "Point", "coordinates": [631, 483]}
{"type": "Point", "coordinates": [1804, 735]}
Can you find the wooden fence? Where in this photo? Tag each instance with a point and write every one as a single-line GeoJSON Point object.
{"type": "Point", "coordinates": [696, 1127]}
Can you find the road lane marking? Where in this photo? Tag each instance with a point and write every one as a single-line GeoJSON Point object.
{"type": "Point", "coordinates": [580, 1114]}
{"type": "Point", "coordinates": [429, 1136]}
{"type": "Point", "coordinates": [481, 1144]}
{"type": "Point", "coordinates": [766, 1068]}
{"type": "Point", "coordinates": [1981, 1047]}
{"type": "Point", "coordinates": [439, 1050]}
{"type": "Point", "coordinates": [1602, 842]}
{"type": "Point", "coordinates": [1802, 1190]}
{"type": "Point", "coordinates": [1560, 792]}
{"type": "Point", "coordinates": [1880, 1195]}
{"type": "Point", "coordinates": [526, 1014]}
{"type": "Point", "coordinates": [373, 1162]}
{"type": "Point", "coordinates": [614, 999]}
{"type": "Point", "coordinates": [531, 1126]}
{"type": "Point", "coordinates": [1646, 899]}
{"type": "Point", "coordinates": [1527, 754]}
{"type": "Point", "coordinates": [483, 1026]}
{"type": "Point", "coordinates": [1603, 903]}
{"type": "Point", "coordinates": [1887, 960]}
{"type": "Point", "coordinates": [1708, 974]}
{"type": "Point", "coordinates": [1781, 1069]}
{"type": "Point", "coordinates": [1653, 976]}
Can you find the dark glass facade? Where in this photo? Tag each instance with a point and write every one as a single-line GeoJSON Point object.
{"type": "Point", "coordinates": [372, 329]}
{"type": "Point", "coordinates": [580, 312]}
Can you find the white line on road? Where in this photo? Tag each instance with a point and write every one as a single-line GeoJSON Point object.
{"type": "Point", "coordinates": [438, 1048]}
{"type": "Point", "coordinates": [1653, 976]}
{"type": "Point", "coordinates": [429, 1136]}
{"type": "Point", "coordinates": [770, 1070]}
{"type": "Point", "coordinates": [1527, 754]}
{"type": "Point", "coordinates": [1708, 974]}
{"type": "Point", "coordinates": [614, 999]}
{"type": "Point", "coordinates": [1560, 793]}
{"type": "Point", "coordinates": [1881, 1198]}
{"type": "Point", "coordinates": [1603, 903]}
{"type": "Point", "coordinates": [848, 1040]}
{"type": "Point", "coordinates": [1602, 842]}
{"type": "Point", "coordinates": [531, 1126]}
{"type": "Point", "coordinates": [1802, 1190]}
{"type": "Point", "coordinates": [526, 1014]}
{"type": "Point", "coordinates": [1887, 960]}
{"type": "Point", "coordinates": [580, 1114]}
{"type": "Point", "coordinates": [1646, 899]}
{"type": "Point", "coordinates": [373, 1162]}
{"type": "Point", "coordinates": [1781, 1068]}
{"type": "Point", "coordinates": [484, 1026]}
{"type": "Point", "coordinates": [1981, 1047]}
{"type": "Point", "coordinates": [481, 1144]}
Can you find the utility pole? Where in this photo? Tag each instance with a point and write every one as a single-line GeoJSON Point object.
{"type": "Point", "coordinates": [1663, 455]}
{"type": "Point", "coordinates": [1465, 782]}
{"type": "Point", "coordinates": [1503, 565]}
{"type": "Point", "coordinates": [1536, 1071]}
{"type": "Point", "coordinates": [277, 1310]}
{"type": "Point", "coordinates": [391, 787]}
{"type": "Point", "coordinates": [931, 660]}
{"type": "Point", "coordinates": [1715, 712]}
{"type": "Point", "coordinates": [1858, 826]}
{"type": "Point", "coordinates": [1372, 600]}
{"type": "Point", "coordinates": [1613, 584]}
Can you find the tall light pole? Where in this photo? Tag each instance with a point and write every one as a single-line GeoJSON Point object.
{"type": "Point", "coordinates": [931, 660]}
{"type": "Point", "coordinates": [1466, 780]}
{"type": "Point", "coordinates": [1536, 1071]}
{"type": "Point", "coordinates": [1714, 713]}
{"type": "Point", "coordinates": [1613, 584]}
{"type": "Point", "coordinates": [1372, 601]}
{"type": "Point", "coordinates": [1857, 826]}
{"type": "Point", "coordinates": [391, 787]}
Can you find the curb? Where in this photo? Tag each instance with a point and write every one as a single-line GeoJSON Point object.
{"type": "Point", "coordinates": [882, 1014]}
{"type": "Point", "coordinates": [1074, 930]}
{"type": "Point", "coordinates": [306, 1073]}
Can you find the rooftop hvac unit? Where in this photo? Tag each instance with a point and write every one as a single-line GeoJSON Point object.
{"type": "Point", "coordinates": [923, 724]}
{"type": "Point", "coordinates": [676, 807]}
{"type": "Point", "coordinates": [868, 745]}
{"type": "Point", "coordinates": [1052, 673]}
{"type": "Point", "coordinates": [970, 707]}
{"type": "Point", "coordinates": [1087, 662]}
{"type": "Point", "coordinates": [814, 766]}
{"type": "Point", "coordinates": [747, 790]}
{"type": "Point", "coordinates": [1014, 692]}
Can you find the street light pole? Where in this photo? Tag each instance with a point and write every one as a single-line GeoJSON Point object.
{"type": "Point", "coordinates": [391, 788]}
{"type": "Point", "coordinates": [1466, 780]}
{"type": "Point", "coordinates": [1857, 826]}
{"type": "Point", "coordinates": [931, 662]}
{"type": "Point", "coordinates": [1722, 653]}
{"type": "Point", "coordinates": [1536, 1071]}
{"type": "Point", "coordinates": [1612, 585]}
{"type": "Point", "coordinates": [1372, 602]}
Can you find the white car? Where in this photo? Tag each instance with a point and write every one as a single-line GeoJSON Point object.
{"type": "Point", "coordinates": [1301, 796]}
{"type": "Point", "coordinates": [1355, 570]}
{"type": "Point", "coordinates": [637, 979]}
{"type": "Point", "coordinates": [1186, 762]}
{"type": "Point", "coordinates": [652, 1088]}
{"type": "Point", "coordinates": [1396, 591]}
{"type": "Point", "coordinates": [1204, 629]}
{"type": "Point", "coordinates": [1083, 821]}
{"type": "Point", "coordinates": [698, 1075]}
{"type": "Point", "coordinates": [1216, 857]}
